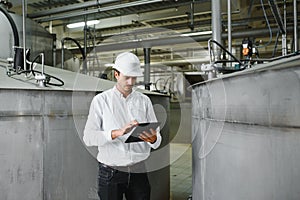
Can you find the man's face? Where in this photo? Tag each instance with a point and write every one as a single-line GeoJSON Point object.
{"type": "Point", "coordinates": [125, 83]}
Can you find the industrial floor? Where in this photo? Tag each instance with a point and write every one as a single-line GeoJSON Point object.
{"type": "Point", "coordinates": [181, 171]}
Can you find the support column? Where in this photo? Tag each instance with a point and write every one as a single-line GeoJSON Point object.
{"type": "Point", "coordinates": [229, 26]}
{"type": "Point", "coordinates": [54, 50]}
{"type": "Point", "coordinates": [216, 25]}
{"type": "Point", "coordinates": [284, 35]}
{"type": "Point", "coordinates": [295, 27]}
{"type": "Point", "coordinates": [84, 61]}
{"type": "Point", "coordinates": [147, 52]}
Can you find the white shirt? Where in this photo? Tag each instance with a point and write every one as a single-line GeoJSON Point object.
{"type": "Point", "coordinates": [109, 111]}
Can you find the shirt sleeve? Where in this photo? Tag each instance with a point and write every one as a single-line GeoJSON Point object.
{"type": "Point", "coordinates": [93, 135]}
{"type": "Point", "coordinates": [156, 144]}
{"type": "Point", "coordinates": [152, 118]}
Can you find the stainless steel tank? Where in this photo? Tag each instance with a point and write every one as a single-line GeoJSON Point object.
{"type": "Point", "coordinates": [246, 134]}
{"type": "Point", "coordinates": [42, 155]}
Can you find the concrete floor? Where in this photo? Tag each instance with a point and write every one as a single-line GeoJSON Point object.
{"type": "Point", "coordinates": [181, 171]}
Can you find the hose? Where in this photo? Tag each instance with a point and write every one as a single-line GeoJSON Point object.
{"type": "Point", "coordinates": [48, 77]}
{"type": "Point", "coordinates": [224, 49]}
{"type": "Point", "coordinates": [80, 48]}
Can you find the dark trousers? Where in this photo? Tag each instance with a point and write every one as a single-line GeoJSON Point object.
{"type": "Point", "coordinates": [113, 183]}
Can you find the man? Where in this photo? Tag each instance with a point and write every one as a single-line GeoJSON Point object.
{"type": "Point", "coordinates": [112, 116]}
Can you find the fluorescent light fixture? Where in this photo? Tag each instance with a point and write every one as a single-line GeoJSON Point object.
{"type": "Point", "coordinates": [197, 33]}
{"type": "Point", "coordinates": [81, 24]}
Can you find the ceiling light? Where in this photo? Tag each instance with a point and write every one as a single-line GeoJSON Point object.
{"type": "Point", "coordinates": [197, 33]}
{"type": "Point", "coordinates": [81, 24]}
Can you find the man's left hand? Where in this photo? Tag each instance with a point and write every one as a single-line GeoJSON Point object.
{"type": "Point", "coordinates": [148, 136]}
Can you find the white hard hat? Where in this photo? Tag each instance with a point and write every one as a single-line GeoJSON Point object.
{"type": "Point", "coordinates": [128, 64]}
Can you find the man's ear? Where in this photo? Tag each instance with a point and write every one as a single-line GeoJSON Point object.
{"type": "Point", "coordinates": [116, 74]}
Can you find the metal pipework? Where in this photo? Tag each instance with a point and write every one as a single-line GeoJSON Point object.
{"type": "Point", "coordinates": [41, 77]}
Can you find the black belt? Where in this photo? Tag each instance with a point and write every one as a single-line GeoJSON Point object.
{"type": "Point", "coordinates": [136, 168]}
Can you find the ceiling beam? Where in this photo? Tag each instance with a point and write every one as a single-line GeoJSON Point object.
{"type": "Point", "coordinates": [69, 8]}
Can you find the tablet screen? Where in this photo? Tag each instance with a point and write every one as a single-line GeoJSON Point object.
{"type": "Point", "coordinates": [134, 136]}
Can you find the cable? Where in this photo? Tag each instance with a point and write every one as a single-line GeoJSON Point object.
{"type": "Point", "coordinates": [48, 76]}
{"type": "Point", "coordinates": [235, 59]}
{"type": "Point", "coordinates": [47, 80]}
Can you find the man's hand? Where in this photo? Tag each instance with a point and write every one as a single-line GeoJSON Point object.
{"type": "Point", "coordinates": [126, 129]}
{"type": "Point", "coordinates": [148, 136]}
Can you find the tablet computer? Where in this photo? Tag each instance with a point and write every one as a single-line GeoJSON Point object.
{"type": "Point", "coordinates": [134, 136]}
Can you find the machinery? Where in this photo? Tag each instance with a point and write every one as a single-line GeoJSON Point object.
{"type": "Point", "coordinates": [11, 27]}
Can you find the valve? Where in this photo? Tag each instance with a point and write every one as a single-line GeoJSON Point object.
{"type": "Point", "coordinates": [209, 69]}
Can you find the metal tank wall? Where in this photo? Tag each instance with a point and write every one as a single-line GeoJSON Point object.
{"type": "Point", "coordinates": [246, 134]}
{"type": "Point", "coordinates": [38, 40]}
{"type": "Point", "coordinates": [42, 155]}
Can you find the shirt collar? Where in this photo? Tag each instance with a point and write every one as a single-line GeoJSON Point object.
{"type": "Point", "coordinates": [117, 92]}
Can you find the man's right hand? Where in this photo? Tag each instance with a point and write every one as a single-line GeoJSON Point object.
{"type": "Point", "coordinates": [126, 129]}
